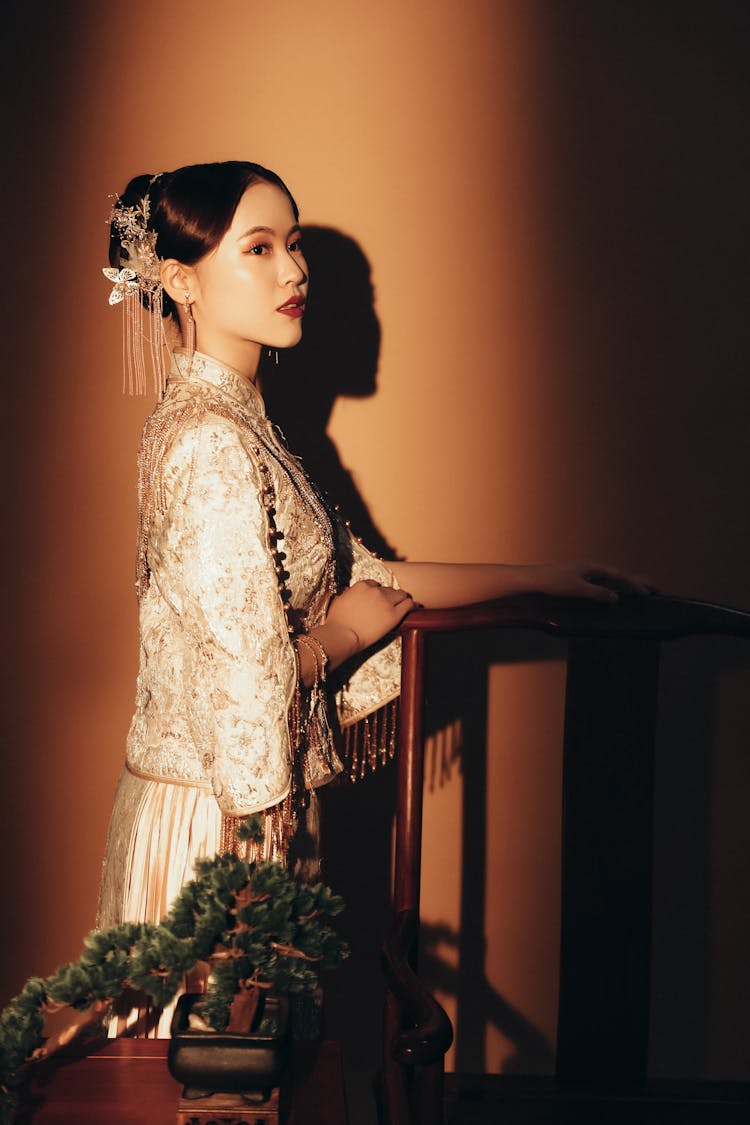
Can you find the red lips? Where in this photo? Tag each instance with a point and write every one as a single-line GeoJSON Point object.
{"type": "Point", "coordinates": [295, 307]}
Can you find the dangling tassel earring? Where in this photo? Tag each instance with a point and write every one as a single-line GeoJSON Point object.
{"type": "Point", "coordinates": [272, 351]}
{"type": "Point", "coordinates": [189, 327]}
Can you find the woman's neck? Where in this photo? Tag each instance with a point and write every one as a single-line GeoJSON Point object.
{"type": "Point", "coordinates": [243, 356]}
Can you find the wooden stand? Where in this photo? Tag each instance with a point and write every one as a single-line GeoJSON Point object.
{"type": "Point", "coordinates": [229, 1109]}
{"type": "Point", "coordinates": [126, 1081]}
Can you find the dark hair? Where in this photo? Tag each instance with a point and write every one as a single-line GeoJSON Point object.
{"type": "Point", "coordinates": [191, 208]}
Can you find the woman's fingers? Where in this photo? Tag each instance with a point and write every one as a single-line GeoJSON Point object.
{"type": "Point", "coordinates": [594, 591]}
{"type": "Point", "coordinates": [398, 599]}
{"type": "Point", "coordinates": [390, 593]}
{"type": "Point", "coordinates": [405, 603]}
{"type": "Point", "coordinates": [618, 581]}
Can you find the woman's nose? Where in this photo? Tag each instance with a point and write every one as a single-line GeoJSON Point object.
{"type": "Point", "coordinates": [293, 270]}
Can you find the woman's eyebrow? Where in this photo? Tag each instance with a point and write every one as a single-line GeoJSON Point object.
{"type": "Point", "coordinates": [296, 229]}
{"type": "Point", "coordinates": [257, 230]}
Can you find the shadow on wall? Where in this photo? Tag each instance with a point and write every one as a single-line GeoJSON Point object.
{"type": "Point", "coordinates": [701, 920]}
{"type": "Point", "coordinates": [457, 693]}
{"type": "Point", "coordinates": [338, 355]}
{"type": "Point", "coordinates": [532, 1051]}
{"type": "Point", "coordinates": [699, 968]}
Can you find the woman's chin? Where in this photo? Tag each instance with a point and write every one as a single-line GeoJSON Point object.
{"type": "Point", "coordinates": [288, 339]}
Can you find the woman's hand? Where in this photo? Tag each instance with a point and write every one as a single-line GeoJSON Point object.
{"type": "Point", "coordinates": [369, 610]}
{"type": "Point", "coordinates": [356, 619]}
{"type": "Point", "coordinates": [597, 583]}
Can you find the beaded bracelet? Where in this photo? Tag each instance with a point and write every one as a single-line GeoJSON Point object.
{"type": "Point", "coordinates": [320, 656]}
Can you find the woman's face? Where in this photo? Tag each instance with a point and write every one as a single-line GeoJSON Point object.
{"type": "Point", "coordinates": [251, 289]}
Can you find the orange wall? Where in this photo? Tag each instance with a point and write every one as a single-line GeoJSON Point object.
{"type": "Point", "coordinates": [551, 205]}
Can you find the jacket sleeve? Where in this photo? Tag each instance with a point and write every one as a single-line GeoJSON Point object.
{"type": "Point", "coordinates": [376, 680]}
{"type": "Point", "coordinates": [209, 555]}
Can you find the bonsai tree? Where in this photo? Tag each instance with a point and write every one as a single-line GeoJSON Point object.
{"type": "Point", "coordinates": [251, 923]}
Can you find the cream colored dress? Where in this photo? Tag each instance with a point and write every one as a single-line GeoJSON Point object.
{"type": "Point", "coordinates": [210, 737]}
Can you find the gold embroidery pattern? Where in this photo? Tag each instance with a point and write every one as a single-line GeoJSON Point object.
{"type": "Point", "coordinates": [237, 551]}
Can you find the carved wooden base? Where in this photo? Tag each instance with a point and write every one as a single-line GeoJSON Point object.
{"type": "Point", "coordinates": [229, 1109]}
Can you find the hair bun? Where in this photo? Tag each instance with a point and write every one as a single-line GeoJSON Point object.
{"type": "Point", "coordinates": [131, 198]}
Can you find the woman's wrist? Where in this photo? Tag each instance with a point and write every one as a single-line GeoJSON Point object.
{"type": "Point", "coordinates": [341, 642]}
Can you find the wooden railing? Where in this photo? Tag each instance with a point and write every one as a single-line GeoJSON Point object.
{"type": "Point", "coordinates": [610, 716]}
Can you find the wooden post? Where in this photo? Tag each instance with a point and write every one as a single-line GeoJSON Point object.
{"type": "Point", "coordinates": [408, 847]}
{"type": "Point", "coordinates": [410, 774]}
{"type": "Point", "coordinates": [606, 860]}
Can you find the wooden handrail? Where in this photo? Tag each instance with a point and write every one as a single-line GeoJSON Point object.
{"type": "Point", "coordinates": [613, 661]}
{"type": "Point", "coordinates": [659, 617]}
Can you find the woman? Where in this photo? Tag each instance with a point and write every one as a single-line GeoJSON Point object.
{"type": "Point", "coordinates": [251, 591]}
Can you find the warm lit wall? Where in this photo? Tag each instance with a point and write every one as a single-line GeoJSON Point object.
{"type": "Point", "coordinates": [552, 207]}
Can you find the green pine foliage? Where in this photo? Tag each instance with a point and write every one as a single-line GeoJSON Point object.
{"type": "Point", "coordinates": [253, 922]}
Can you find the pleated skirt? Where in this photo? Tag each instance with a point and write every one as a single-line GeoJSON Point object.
{"type": "Point", "coordinates": [157, 832]}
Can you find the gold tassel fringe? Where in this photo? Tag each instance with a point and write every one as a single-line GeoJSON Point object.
{"type": "Point", "coordinates": [371, 742]}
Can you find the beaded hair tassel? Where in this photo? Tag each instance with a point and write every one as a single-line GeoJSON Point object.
{"type": "Point", "coordinates": [137, 287]}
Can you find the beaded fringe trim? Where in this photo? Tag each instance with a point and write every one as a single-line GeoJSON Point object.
{"type": "Point", "coordinates": [144, 344]}
{"type": "Point", "coordinates": [371, 741]}
{"type": "Point", "coordinates": [280, 825]}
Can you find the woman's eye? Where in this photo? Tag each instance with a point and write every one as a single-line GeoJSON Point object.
{"type": "Point", "coordinates": [296, 246]}
{"type": "Point", "coordinates": [258, 249]}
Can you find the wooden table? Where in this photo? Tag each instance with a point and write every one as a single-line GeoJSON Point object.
{"type": "Point", "coordinates": [126, 1082]}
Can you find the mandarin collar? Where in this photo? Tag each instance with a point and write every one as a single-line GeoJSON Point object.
{"type": "Point", "coordinates": [202, 368]}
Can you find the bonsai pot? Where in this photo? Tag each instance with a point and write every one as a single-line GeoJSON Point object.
{"type": "Point", "coordinates": [230, 1062]}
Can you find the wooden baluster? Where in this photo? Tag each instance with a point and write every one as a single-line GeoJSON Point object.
{"type": "Point", "coordinates": [395, 1093]}
{"type": "Point", "coordinates": [408, 846]}
{"type": "Point", "coordinates": [410, 774]}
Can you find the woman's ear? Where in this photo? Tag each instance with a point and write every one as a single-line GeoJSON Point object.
{"type": "Point", "coordinates": [177, 279]}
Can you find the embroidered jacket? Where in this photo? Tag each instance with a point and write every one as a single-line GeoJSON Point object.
{"type": "Point", "coordinates": [217, 668]}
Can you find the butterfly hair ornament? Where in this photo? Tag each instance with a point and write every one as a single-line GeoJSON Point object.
{"type": "Point", "coordinates": [137, 287]}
